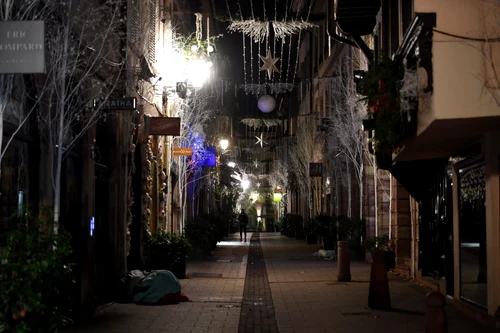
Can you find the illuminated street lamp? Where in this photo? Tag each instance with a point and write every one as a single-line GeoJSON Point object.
{"type": "Point", "coordinates": [277, 194]}
{"type": "Point", "coordinates": [198, 72]}
{"type": "Point", "coordinates": [224, 143]}
{"type": "Point", "coordinates": [245, 184]}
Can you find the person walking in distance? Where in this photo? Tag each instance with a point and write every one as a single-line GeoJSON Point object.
{"type": "Point", "coordinates": [243, 218]}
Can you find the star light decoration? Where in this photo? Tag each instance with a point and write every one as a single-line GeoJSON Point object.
{"type": "Point", "coordinates": [269, 64]}
{"type": "Point", "coordinates": [255, 164]}
{"type": "Point", "coordinates": [260, 140]}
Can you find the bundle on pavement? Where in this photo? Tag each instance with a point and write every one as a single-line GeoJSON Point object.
{"type": "Point", "coordinates": [156, 287]}
{"type": "Point", "coordinates": [326, 255]}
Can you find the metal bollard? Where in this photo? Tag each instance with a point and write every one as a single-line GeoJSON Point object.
{"type": "Point", "coordinates": [435, 316]}
{"type": "Point", "coordinates": [343, 262]}
{"type": "Point", "coordinates": [379, 297]}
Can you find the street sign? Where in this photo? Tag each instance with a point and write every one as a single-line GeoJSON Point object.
{"type": "Point", "coordinates": [315, 169]}
{"type": "Point", "coordinates": [165, 126]}
{"type": "Point", "coordinates": [183, 151]}
{"type": "Point", "coordinates": [22, 47]}
{"type": "Point", "coordinates": [125, 103]}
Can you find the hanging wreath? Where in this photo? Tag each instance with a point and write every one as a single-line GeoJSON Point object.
{"type": "Point", "coordinates": [381, 87]}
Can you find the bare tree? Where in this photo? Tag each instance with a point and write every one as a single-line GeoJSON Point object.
{"type": "Point", "coordinates": [346, 140]}
{"type": "Point", "coordinates": [489, 46]}
{"type": "Point", "coordinates": [84, 68]}
{"type": "Point", "coordinates": [303, 151]}
{"type": "Point", "coordinates": [12, 86]}
{"type": "Point", "coordinates": [196, 112]}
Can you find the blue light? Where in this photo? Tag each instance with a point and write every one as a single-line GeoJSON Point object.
{"type": "Point", "coordinates": [92, 226]}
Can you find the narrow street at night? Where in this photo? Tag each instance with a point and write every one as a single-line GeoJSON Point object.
{"type": "Point", "coordinates": [274, 284]}
{"type": "Point", "coordinates": [248, 166]}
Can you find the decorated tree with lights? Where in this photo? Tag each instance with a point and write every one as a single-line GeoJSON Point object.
{"type": "Point", "coordinates": [84, 69]}
{"type": "Point", "coordinates": [196, 112]}
{"type": "Point", "coordinates": [346, 139]}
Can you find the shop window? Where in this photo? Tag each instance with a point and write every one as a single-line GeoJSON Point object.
{"type": "Point", "coordinates": [472, 233]}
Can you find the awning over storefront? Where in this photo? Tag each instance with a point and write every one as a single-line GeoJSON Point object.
{"type": "Point", "coordinates": [418, 177]}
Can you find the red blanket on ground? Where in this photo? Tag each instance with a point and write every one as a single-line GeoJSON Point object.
{"type": "Point", "coordinates": [174, 299]}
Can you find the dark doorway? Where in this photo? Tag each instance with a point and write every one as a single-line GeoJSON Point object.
{"type": "Point", "coordinates": [101, 230]}
{"type": "Point", "coordinates": [436, 231]}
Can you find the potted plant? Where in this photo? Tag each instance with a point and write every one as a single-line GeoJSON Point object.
{"type": "Point", "coordinates": [311, 231]}
{"type": "Point", "coordinates": [157, 251]}
{"type": "Point", "coordinates": [201, 234]}
{"type": "Point", "coordinates": [179, 250]}
{"type": "Point", "coordinates": [296, 223]}
{"type": "Point", "coordinates": [327, 229]}
{"type": "Point", "coordinates": [380, 243]}
{"type": "Point", "coordinates": [36, 278]}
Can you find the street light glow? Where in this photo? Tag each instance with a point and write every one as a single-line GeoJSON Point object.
{"type": "Point", "coordinates": [224, 144]}
{"type": "Point", "coordinates": [231, 164]}
{"type": "Point", "coordinates": [198, 72]}
{"type": "Point", "coordinates": [245, 184]}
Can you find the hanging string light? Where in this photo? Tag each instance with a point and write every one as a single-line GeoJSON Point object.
{"type": "Point", "coordinates": [245, 58]}
{"type": "Point", "coordinates": [283, 45]}
{"type": "Point", "coordinates": [298, 42]}
{"type": "Point", "coordinates": [274, 41]}
{"type": "Point", "coordinates": [289, 58]}
{"type": "Point", "coordinates": [229, 10]}
{"type": "Point", "coordinates": [266, 78]}
{"type": "Point", "coordinates": [199, 27]}
{"type": "Point", "coordinates": [251, 60]}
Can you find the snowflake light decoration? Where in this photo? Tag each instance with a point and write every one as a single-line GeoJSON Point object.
{"type": "Point", "coordinates": [260, 140]}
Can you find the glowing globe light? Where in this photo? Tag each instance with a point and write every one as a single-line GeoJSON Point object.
{"type": "Point", "coordinates": [266, 103]}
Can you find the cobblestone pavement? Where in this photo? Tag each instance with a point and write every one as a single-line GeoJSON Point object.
{"type": "Point", "coordinates": [308, 298]}
{"type": "Point", "coordinates": [215, 288]}
{"type": "Point", "coordinates": [302, 291]}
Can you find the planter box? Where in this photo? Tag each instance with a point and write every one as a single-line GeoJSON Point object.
{"type": "Point", "coordinates": [179, 269]}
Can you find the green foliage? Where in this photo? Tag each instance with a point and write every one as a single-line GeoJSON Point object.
{"type": "Point", "coordinates": [164, 249]}
{"type": "Point", "coordinates": [204, 231]}
{"type": "Point", "coordinates": [380, 86]}
{"type": "Point", "coordinates": [184, 44]}
{"type": "Point", "coordinates": [260, 226]}
{"type": "Point", "coordinates": [278, 225]}
{"type": "Point", "coordinates": [350, 229]}
{"type": "Point", "coordinates": [326, 225]}
{"type": "Point", "coordinates": [380, 242]}
{"type": "Point", "coordinates": [36, 280]}
{"type": "Point", "coordinates": [312, 227]}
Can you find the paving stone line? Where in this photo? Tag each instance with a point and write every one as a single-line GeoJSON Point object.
{"type": "Point", "coordinates": [257, 309]}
